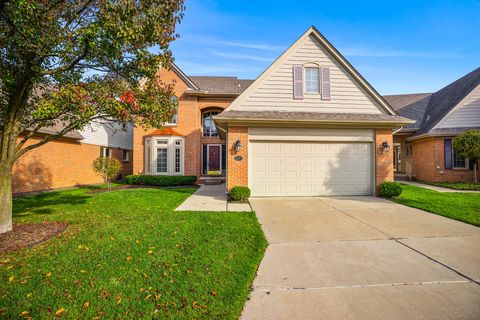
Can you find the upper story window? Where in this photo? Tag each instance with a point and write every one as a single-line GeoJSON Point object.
{"type": "Point", "coordinates": [209, 129]}
{"type": "Point", "coordinates": [312, 82]}
{"type": "Point", "coordinates": [174, 119]}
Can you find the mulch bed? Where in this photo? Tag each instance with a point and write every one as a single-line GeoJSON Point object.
{"type": "Point", "coordinates": [28, 234]}
{"type": "Point", "coordinates": [131, 186]}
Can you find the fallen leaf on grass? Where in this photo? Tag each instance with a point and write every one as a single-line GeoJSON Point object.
{"type": "Point", "coordinates": [86, 304]}
{"type": "Point", "coordinates": [129, 258]}
{"type": "Point", "coordinates": [59, 312]}
{"type": "Point", "coordinates": [150, 252]}
{"type": "Point", "coordinates": [11, 278]}
{"type": "Point", "coordinates": [49, 274]}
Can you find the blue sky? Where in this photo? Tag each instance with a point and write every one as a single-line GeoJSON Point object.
{"type": "Point", "coordinates": [398, 46]}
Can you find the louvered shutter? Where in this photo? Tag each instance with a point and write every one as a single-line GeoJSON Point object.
{"type": "Point", "coordinates": [325, 82]}
{"type": "Point", "coordinates": [297, 82]}
{"type": "Point", "coordinates": [447, 143]}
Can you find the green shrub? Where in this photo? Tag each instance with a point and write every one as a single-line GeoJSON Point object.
{"type": "Point", "coordinates": [162, 181]}
{"type": "Point", "coordinates": [107, 168]}
{"type": "Point", "coordinates": [390, 189]}
{"type": "Point", "coordinates": [240, 193]}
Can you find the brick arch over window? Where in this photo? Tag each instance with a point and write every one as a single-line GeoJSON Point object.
{"type": "Point", "coordinates": [208, 126]}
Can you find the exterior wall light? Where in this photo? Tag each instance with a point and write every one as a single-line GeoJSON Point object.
{"type": "Point", "coordinates": [385, 147]}
{"type": "Point", "coordinates": [237, 145]}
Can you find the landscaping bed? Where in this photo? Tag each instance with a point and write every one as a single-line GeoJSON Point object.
{"type": "Point", "coordinates": [28, 234]}
{"type": "Point", "coordinates": [128, 255]}
{"type": "Point", "coordinates": [455, 205]}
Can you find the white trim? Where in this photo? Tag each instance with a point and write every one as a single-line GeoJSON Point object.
{"type": "Point", "coordinates": [467, 162]}
{"type": "Point", "coordinates": [219, 156]}
{"type": "Point", "coordinates": [333, 53]}
{"type": "Point", "coordinates": [170, 146]}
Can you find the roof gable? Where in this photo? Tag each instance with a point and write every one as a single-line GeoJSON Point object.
{"type": "Point", "coordinates": [273, 89]}
{"type": "Point", "coordinates": [447, 98]}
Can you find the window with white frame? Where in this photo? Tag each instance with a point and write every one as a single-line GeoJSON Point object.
{"type": "Point", "coordinates": [164, 155]}
{"type": "Point", "coordinates": [312, 82]}
{"type": "Point", "coordinates": [125, 156]}
{"type": "Point", "coordinates": [105, 152]}
{"type": "Point", "coordinates": [209, 129]}
{"type": "Point", "coordinates": [174, 120]}
{"type": "Point", "coordinates": [459, 162]}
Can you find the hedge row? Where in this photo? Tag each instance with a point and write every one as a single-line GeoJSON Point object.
{"type": "Point", "coordinates": [162, 181]}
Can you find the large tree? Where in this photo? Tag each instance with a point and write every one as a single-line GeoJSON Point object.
{"type": "Point", "coordinates": [65, 63]}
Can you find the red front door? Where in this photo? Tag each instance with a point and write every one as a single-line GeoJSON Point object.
{"type": "Point", "coordinates": [214, 159]}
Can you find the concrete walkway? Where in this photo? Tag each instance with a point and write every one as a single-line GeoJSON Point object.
{"type": "Point", "coordinates": [363, 258]}
{"type": "Point", "coordinates": [211, 198]}
{"type": "Point", "coordinates": [435, 188]}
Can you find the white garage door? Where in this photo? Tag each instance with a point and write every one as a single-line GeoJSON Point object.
{"type": "Point", "coordinates": [307, 168]}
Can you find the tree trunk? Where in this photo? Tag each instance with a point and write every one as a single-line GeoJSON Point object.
{"type": "Point", "coordinates": [5, 198]}
{"type": "Point", "coordinates": [475, 171]}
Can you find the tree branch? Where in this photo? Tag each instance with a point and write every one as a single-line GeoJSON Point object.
{"type": "Point", "coordinates": [70, 65]}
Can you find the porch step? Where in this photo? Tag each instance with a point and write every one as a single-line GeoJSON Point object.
{"type": "Point", "coordinates": [402, 177]}
{"type": "Point", "coordinates": [211, 180]}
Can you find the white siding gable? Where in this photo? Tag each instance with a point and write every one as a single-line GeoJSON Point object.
{"type": "Point", "coordinates": [465, 114]}
{"type": "Point", "coordinates": [108, 135]}
{"type": "Point", "coordinates": [273, 90]}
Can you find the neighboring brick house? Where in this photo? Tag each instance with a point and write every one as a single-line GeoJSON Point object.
{"type": "Point", "coordinates": [424, 149]}
{"type": "Point", "coordinates": [190, 144]}
{"type": "Point", "coordinates": [67, 162]}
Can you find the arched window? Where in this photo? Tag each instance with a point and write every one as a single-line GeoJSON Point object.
{"type": "Point", "coordinates": [209, 129]}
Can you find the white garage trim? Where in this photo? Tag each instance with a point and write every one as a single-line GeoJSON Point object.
{"type": "Point", "coordinates": [318, 167]}
{"type": "Point", "coordinates": [310, 134]}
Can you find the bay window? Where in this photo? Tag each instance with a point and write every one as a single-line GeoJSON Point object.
{"type": "Point", "coordinates": [164, 156]}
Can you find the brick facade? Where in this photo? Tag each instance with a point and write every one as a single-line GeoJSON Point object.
{"type": "Point", "coordinates": [428, 159]}
{"type": "Point", "coordinates": [383, 161]}
{"type": "Point", "coordinates": [59, 164]}
{"type": "Point", "coordinates": [237, 162]}
{"type": "Point", "coordinates": [189, 124]}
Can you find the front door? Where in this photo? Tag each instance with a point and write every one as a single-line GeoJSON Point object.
{"type": "Point", "coordinates": [214, 160]}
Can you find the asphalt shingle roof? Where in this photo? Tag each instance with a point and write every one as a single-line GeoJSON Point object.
{"type": "Point", "coordinates": [427, 109]}
{"type": "Point", "coordinates": [214, 84]}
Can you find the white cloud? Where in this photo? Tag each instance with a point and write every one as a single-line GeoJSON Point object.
{"type": "Point", "coordinates": [240, 56]}
{"type": "Point", "coordinates": [258, 46]}
{"type": "Point", "coordinates": [392, 53]}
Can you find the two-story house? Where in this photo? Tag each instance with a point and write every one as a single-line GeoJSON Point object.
{"type": "Point", "coordinates": [190, 143]}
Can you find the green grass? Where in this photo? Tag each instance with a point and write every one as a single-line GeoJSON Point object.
{"type": "Point", "coordinates": [459, 206]}
{"type": "Point", "coordinates": [455, 185]}
{"type": "Point", "coordinates": [183, 265]}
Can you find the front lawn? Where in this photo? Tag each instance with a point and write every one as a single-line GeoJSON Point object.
{"type": "Point", "coordinates": [455, 185]}
{"type": "Point", "coordinates": [127, 255]}
{"type": "Point", "coordinates": [459, 206]}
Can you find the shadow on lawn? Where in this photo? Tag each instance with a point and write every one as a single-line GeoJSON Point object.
{"type": "Point", "coordinates": [42, 203]}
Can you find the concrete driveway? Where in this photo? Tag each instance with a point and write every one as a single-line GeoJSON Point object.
{"type": "Point", "coordinates": [363, 258]}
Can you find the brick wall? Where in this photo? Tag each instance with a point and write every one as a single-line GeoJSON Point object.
{"type": "Point", "coordinates": [237, 171]}
{"type": "Point", "coordinates": [189, 125]}
{"type": "Point", "coordinates": [429, 163]}
{"type": "Point", "coordinates": [383, 161]}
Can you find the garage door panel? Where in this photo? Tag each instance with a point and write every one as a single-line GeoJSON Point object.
{"type": "Point", "coordinates": [310, 168]}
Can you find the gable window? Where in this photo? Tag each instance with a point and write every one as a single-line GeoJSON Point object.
{"type": "Point", "coordinates": [209, 129]}
{"type": "Point", "coordinates": [312, 83]}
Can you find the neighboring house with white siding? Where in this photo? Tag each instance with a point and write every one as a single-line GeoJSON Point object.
{"type": "Point", "coordinates": [67, 162]}
{"type": "Point", "coordinates": [424, 149]}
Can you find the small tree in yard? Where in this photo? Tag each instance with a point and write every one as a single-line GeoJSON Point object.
{"type": "Point", "coordinates": [68, 63]}
{"type": "Point", "coordinates": [467, 145]}
{"type": "Point", "coordinates": [107, 168]}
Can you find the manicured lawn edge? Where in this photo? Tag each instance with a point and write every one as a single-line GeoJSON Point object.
{"type": "Point", "coordinates": [459, 206]}
{"type": "Point", "coordinates": [454, 185]}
